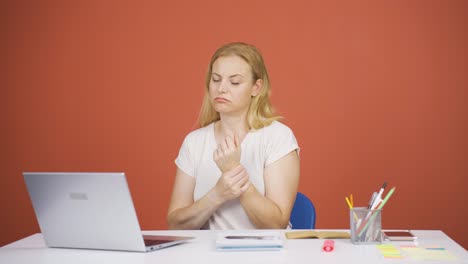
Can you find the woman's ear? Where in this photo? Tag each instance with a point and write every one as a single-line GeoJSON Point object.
{"type": "Point", "coordinates": [257, 87]}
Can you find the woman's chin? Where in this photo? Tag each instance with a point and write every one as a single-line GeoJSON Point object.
{"type": "Point", "coordinates": [221, 109]}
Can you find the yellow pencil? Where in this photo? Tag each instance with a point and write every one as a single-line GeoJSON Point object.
{"type": "Point", "coordinates": [351, 207]}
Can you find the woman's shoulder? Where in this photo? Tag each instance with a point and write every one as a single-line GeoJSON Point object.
{"type": "Point", "coordinates": [277, 127]}
{"type": "Point", "coordinates": [199, 133]}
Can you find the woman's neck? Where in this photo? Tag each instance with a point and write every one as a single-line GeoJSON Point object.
{"type": "Point", "coordinates": [228, 126]}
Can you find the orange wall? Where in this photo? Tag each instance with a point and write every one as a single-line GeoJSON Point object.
{"type": "Point", "coordinates": [374, 91]}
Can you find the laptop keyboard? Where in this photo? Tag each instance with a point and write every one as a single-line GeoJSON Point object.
{"type": "Point", "coordinates": [152, 242]}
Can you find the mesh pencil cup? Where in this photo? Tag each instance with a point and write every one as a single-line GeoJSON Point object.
{"type": "Point", "coordinates": [366, 225]}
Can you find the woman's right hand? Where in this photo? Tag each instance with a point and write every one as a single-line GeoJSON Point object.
{"type": "Point", "coordinates": [228, 153]}
{"type": "Point", "coordinates": [232, 184]}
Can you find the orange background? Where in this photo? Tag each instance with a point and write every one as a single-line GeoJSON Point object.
{"type": "Point", "coordinates": [375, 91]}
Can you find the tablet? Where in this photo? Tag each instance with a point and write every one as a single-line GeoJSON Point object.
{"type": "Point", "coordinates": [402, 235]}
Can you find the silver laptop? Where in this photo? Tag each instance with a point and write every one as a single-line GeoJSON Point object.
{"type": "Point", "coordinates": [89, 211]}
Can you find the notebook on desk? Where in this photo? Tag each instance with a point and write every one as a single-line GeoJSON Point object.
{"type": "Point", "coordinates": [90, 211]}
{"type": "Point", "coordinates": [249, 241]}
{"type": "Point", "coordinates": [317, 234]}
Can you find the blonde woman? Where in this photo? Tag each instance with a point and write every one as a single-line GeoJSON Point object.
{"type": "Point", "coordinates": [240, 169]}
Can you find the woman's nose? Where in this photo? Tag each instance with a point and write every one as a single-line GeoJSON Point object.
{"type": "Point", "coordinates": [222, 87]}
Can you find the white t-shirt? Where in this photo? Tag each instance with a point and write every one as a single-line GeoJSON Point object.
{"type": "Point", "coordinates": [259, 149]}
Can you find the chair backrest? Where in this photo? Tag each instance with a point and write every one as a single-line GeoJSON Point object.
{"type": "Point", "coordinates": [303, 213]}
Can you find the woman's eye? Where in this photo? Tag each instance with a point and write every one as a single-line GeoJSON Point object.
{"type": "Point", "coordinates": [234, 83]}
{"type": "Point", "coordinates": [216, 80]}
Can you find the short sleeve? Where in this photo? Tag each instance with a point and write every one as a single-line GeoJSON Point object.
{"type": "Point", "coordinates": [280, 142]}
{"type": "Point", "coordinates": [184, 160]}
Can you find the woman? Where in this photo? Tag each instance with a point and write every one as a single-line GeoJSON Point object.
{"type": "Point", "coordinates": [240, 169]}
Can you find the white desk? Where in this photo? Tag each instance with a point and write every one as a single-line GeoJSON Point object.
{"type": "Point", "coordinates": [202, 250]}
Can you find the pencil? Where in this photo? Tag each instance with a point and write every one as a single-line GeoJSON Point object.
{"type": "Point", "coordinates": [351, 207]}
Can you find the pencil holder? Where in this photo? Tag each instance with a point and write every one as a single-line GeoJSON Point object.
{"type": "Point", "coordinates": [366, 225]}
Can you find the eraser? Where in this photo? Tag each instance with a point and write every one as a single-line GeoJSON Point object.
{"type": "Point", "coordinates": [328, 245]}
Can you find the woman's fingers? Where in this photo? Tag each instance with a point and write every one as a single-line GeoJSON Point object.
{"type": "Point", "coordinates": [241, 175]}
{"type": "Point", "coordinates": [235, 171]}
{"type": "Point", "coordinates": [229, 142]}
{"type": "Point", "coordinates": [234, 182]}
{"type": "Point", "coordinates": [236, 140]}
{"type": "Point", "coordinates": [245, 187]}
{"type": "Point", "coordinates": [238, 178]}
{"type": "Point", "coordinates": [227, 146]}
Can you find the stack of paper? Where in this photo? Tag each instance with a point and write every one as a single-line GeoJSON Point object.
{"type": "Point", "coordinates": [236, 241]}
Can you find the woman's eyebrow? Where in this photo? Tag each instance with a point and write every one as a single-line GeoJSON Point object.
{"type": "Point", "coordinates": [236, 75]}
{"type": "Point", "coordinates": [231, 76]}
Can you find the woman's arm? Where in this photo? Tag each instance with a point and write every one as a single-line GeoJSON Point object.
{"type": "Point", "coordinates": [184, 213]}
{"type": "Point", "coordinates": [273, 210]}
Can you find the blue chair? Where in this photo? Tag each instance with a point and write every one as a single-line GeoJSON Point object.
{"type": "Point", "coordinates": [303, 213]}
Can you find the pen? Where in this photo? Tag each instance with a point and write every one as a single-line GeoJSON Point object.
{"type": "Point", "coordinates": [389, 194]}
{"type": "Point", "coordinates": [380, 206]}
{"type": "Point", "coordinates": [375, 200]}
{"type": "Point", "coordinates": [382, 189]}
{"type": "Point", "coordinates": [371, 202]}
{"type": "Point", "coordinates": [378, 198]}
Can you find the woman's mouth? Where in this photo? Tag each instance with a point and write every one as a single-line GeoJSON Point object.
{"type": "Point", "coordinates": [221, 100]}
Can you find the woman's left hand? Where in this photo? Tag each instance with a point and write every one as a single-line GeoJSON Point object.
{"type": "Point", "coordinates": [227, 155]}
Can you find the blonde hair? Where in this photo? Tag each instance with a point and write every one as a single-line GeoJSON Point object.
{"type": "Point", "coordinates": [260, 113]}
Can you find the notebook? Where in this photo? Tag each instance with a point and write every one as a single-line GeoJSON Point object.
{"type": "Point", "coordinates": [249, 241]}
{"type": "Point", "coordinates": [316, 234]}
{"type": "Point", "coordinates": [89, 211]}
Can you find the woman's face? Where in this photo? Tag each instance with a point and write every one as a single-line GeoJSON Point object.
{"type": "Point", "coordinates": [232, 86]}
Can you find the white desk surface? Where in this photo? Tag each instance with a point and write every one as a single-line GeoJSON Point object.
{"type": "Point", "coordinates": [202, 250]}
